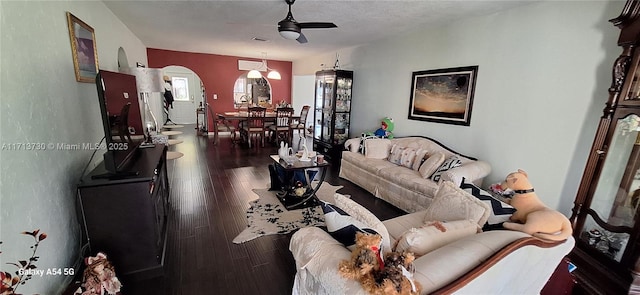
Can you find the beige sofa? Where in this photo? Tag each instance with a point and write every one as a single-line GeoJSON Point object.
{"type": "Point", "coordinates": [403, 187]}
{"type": "Point", "coordinates": [494, 262]}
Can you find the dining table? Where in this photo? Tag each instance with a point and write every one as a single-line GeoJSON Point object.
{"type": "Point", "coordinates": [227, 118]}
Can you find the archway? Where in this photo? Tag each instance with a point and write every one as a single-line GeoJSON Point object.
{"type": "Point", "coordinates": [123, 61]}
{"type": "Point", "coordinates": [188, 92]}
{"type": "Point", "coordinates": [247, 91]}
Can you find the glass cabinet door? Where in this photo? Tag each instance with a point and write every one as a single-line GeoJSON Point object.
{"type": "Point", "coordinates": [617, 193]}
{"type": "Point", "coordinates": [343, 108]}
{"type": "Point", "coordinates": [317, 124]}
{"type": "Point", "coordinates": [327, 107]}
{"type": "Point", "coordinates": [343, 95]}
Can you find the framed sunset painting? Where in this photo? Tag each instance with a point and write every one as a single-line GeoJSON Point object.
{"type": "Point", "coordinates": [443, 95]}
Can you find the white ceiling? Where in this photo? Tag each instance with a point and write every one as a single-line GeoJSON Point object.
{"type": "Point", "coordinates": [227, 27]}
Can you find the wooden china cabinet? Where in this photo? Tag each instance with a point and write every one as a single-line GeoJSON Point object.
{"type": "Point", "coordinates": [605, 213]}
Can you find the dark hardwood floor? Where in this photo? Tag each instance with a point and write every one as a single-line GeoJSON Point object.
{"type": "Point", "coordinates": [210, 190]}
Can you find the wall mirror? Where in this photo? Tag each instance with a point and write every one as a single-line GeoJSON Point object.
{"type": "Point", "coordinates": [247, 91]}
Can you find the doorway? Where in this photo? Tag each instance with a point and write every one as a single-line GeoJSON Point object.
{"type": "Point", "coordinates": [188, 92]}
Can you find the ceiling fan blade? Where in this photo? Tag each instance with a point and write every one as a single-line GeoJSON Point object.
{"type": "Point", "coordinates": [302, 39]}
{"type": "Point", "coordinates": [317, 25]}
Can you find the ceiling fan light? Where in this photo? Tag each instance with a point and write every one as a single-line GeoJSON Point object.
{"type": "Point", "coordinates": [254, 74]}
{"type": "Point", "coordinates": [291, 35]}
{"type": "Point", "coordinates": [274, 75]}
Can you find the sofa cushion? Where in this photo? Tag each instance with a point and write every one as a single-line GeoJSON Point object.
{"type": "Point", "coordinates": [420, 158]}
{"type": "Point", "coordinates": [433, 235]}
{"type": "Point", "coordinates": [370, 165]}
{"type": "Point", "coordinates": [449, 163]}
{"type": "Point", "coordinates": [399, 225]}
{"type": "Point", "coordinates": [431, 164]}
{"type": "Point", "coordinates": [500, 211]}
{"type": "Point", "coordinates": [346, 218]}
{"type": "Point", "coordinates": [402, 176]}
{"type": "Point", "coordinates": [452, 203]}
{"type": "Point", "coordinates": [377, 148]}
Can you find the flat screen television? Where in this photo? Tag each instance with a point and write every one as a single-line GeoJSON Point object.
{"type": "Point", "coordinates": [121, 119]}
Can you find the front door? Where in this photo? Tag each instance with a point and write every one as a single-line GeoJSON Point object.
{"type": "Point", "coordinates": [187, 95]}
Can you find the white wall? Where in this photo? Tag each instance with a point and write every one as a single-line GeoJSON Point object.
{"type": "Point", "coordinates": [544, 70]}
{"type": "Point", "coordinates": [43, 103]}
{"type": "Point", "coordinates": [303, 94]}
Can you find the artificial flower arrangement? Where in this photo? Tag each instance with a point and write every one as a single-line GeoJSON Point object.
{"type": "Point", "coordinates": [26, 268]}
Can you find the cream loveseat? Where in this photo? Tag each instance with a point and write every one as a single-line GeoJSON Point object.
{"type": "Point", "coordinates": [401, 186]}
{"type": "Point", "coordinates": [492, 262]}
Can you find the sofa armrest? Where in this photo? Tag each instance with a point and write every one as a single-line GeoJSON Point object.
{"type": "Point", "coordinates": [473, 172]}
{"type": "Point", "coordinates": [317, 257]}
{"type": "Point", "coordinates": [311, 242]}
{"type": "Point", "coordinates": [477, 264]}
{"type": "Point", "coordinates": [352, 144]}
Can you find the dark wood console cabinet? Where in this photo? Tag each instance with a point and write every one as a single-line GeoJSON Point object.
{"type": "Point", "coordinates": [127, 218]}
{"type": "Point", "coordinates": [605, 214]}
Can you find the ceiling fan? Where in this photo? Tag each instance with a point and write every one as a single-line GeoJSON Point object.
{"type": "Point", "coordinates": [290, 29]}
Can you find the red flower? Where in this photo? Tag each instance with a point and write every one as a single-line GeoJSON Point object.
{"type": "Point", "coordinates": [7, 283]}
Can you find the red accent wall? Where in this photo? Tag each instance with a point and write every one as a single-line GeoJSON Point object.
{"type": "Point", "coordinates": [219, 73]}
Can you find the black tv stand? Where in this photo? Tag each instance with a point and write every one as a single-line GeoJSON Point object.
{"type": "Point", "coordinates": [126, 217]}
{"type": "Point", "coordinates": [115, 176]}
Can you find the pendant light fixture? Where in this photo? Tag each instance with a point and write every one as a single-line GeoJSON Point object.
{"type": "Point", "coordinates": [273, 74]}
{"type": "Point", "coordinates": [255, 74]}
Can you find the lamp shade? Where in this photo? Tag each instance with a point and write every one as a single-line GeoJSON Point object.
{"type": "Point", "coordinates": [254, 74]}
{"type": "Point", "coordinates": [147, 79]}
{"type": "Point", "coordinates": [291, 35]}
{"type": "Point", "coordinates": [274, 75]}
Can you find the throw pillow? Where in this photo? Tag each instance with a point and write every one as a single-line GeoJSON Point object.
{"type": "Point", "coordinates": [431, 164]}
{"type": "Point", "coordinates": [450, 163]}
{"type": "Point", "coordinates": [452, 203]}
{"type": "Point", "coordinates": [420, 158]}
{"type": "Point", "coordinates": [363, 140]}
{"type": "Point", "coordinates": [434, 235]}
{"type": "Point", "coordinates": [377, 148]}
{"type": "Point", "coordinates": [500, 211]}
{"type": "Point", "coordinates": [346, 218]}
{"type": "Point", "coordinates": [396, 154]}
{"type": "Point", "coordinates": [407, 158]}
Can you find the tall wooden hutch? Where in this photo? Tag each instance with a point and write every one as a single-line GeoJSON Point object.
{"type": "Point", "coordinates": [605, 213]}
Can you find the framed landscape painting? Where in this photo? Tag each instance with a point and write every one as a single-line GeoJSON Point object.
{"type": "Point", "coordinates": [443, 95]}
{"type": "Point", "coordinates": [83, 49]}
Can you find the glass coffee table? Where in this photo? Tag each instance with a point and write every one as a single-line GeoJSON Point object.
{"type": "Point", "coordinates": [288, 196]}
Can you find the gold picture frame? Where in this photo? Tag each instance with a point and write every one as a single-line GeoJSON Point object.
{"type": "Point", "coordinates": [83, 49]}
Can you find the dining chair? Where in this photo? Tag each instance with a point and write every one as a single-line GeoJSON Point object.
{"type": "Point", "coordinates": [226, 126]}
{"type": "Point", "coordinates": [281, 129]}
{"type": "Point", "coordinates": [254, 125]}
{"type": "Point", "coordinates": [300, 124]}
